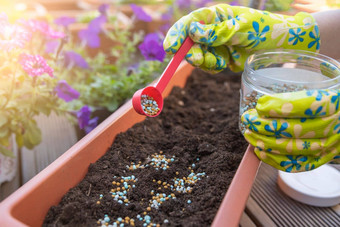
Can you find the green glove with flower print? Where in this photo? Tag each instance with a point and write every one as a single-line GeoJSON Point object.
{"type": "Point", "coordinates": [295, 131]}
{"type": "Point", "coordinates": [226, 35]}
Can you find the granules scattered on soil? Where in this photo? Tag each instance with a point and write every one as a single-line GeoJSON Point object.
{"type": "Point", "coordinates": [171, 170]}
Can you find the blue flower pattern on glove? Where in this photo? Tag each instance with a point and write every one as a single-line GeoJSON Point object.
{"type": "Point", "coordinates": [337, 127]}
{"type": "Point", "coordinates": [336, 99]}
{"type": "Point", "coordinates": [311, 115]}
{"type": "Point", "coordinates": [309, 167]}
{"type": "Point", "coordinates": [319, 94]}
{"type": "Point", "coordinates": [187, 57]}
{"type": "Point", "coordinates": [251, 122]}
{"type": "Point", "coordinates": [178, 31]}
{"type": "Point", "coordinates": [296, 36]}
{"type": "Point", "coordinates": [257, 36]}
{"type": "Point", "coordinates": [316, 38]}
{"type": "Point", "coordinates": [306, 145]}
{"type": "Point", "coordinates": [196, 27]}
{"type": "Point", "coordinates": [278, 132]}
{"type": "Point", "coordinates": [234, 19]}
{"type": "Point", "coordinates": [235, 55]}
{"type": "Point", "coordinates": [220, 62]}
{"type": "Point", "coordinates": [267, 150]}
{"type": "Point", "coordinates": [210, 39]}
{"type": "Point", "coordinates": [294, 161]}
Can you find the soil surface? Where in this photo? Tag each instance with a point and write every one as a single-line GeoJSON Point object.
{"type": "Point", "coordinates": [171, 170]}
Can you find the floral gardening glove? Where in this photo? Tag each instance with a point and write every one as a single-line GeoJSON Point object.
{"type": "Point", "coordinates": [229, 34]}
{"type": "Point", "coordinates": [295, 131]}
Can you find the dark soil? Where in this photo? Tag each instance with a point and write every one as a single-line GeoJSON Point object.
{"type": "Point", "coordinates": [197, 134]}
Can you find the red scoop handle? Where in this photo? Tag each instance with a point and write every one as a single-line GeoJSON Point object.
{"type": "Point", "coordinates": [173, 64]}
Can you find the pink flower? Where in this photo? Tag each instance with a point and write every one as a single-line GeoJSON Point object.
{"type": "Point", "coordinates": [43, 28]}
{"type": "Point", "coordinates": [35, 65]}
{"type": "Point", "coordinates": [12, 36]}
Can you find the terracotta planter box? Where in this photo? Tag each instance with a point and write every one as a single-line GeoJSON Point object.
{"type": "Point", "coordinates": [30, 203]}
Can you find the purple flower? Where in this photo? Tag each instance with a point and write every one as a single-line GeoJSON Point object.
{"type": "Point", "coordinates": [91, 125]}
{"type": "Point", "coordinates": [83, 116]}
{"type": "Point", "coordinates": [96, 25]}
{"type": "Point", "coordinates": [42, 27]}
{"type": "Point", "coordinates": [66, 92]}
{"type": "Point", "coordinates": [234, 3]}
{"type": "Point", "coordinates": [72, 58]}
{"type": "Point", "coordinates": [12, 36]}
{"type": "Point", "coordinates": [183, 4]}
{"type": "Point", "coordinates": [35, 65]}
{"type": "Point", "coordinates": [168, 15]}
{"type": "Point", "coordinates": [152, 47]}
{"type": "Point", "coordinates": [51, 46]}
{"type": "Point", "coordinates": [103, 8]}
{"type": "Point", "coordinates": [91, 34]}
{"type": "Point", "coordinates": [153, 36]}
{"type": "Point", "coordinates": [140, 13]}
{"type": "Point", "coordinates": [90, 38]}
{"type": "Point", "coordinates": [202, 3]}
{"type": "Point", "coordinates": [64, 21]}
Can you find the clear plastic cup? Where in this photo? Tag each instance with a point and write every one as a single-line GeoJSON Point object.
{"type": "Point", "coordinates": [280, 71]}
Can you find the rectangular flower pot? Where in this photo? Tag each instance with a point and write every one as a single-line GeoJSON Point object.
{"type": "Point", "coordinates": [29, 204]}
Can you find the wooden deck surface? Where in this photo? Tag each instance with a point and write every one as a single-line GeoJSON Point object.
{"type": "Point", "coordinates": [269, 206]}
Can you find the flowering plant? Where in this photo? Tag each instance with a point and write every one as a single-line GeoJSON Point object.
{"type": "Point", "coordinates": [106, 62]}
{"type": "Point", "coordinates": [27, 80]}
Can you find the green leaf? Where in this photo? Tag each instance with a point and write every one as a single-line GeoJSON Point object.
{"type": "Point", "coordinates": [32, 136]}
{"type": "Point", "coordinates": [3, 119]}
{"type": "Point", "coordinates": [6, 152]}
{"type": "Point", "coordinates": [4, 141]}
{"type": "Point", "coordinates": [4, 131]}
{"type": "Point", "coordinates": [42, 105]}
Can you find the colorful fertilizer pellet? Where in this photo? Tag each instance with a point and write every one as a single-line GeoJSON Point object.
{"type": "Point", "coordinates": [160, 161]}
{"type": "Point", "coordinates": [149, 105]}
{"type": "Point", "coordinates": [105, 222]}
{"type": "Point", "coordinates": [181, 183]}
{"type": "Point", "coordinates": [119, 193]}
{"type": "Point", "coordinates": [122, 185]}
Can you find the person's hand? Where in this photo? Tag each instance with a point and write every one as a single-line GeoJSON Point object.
{"type": "Point", "coordinates": [295, 131]}
{"type": "Point", "coordinates": [229, 34]}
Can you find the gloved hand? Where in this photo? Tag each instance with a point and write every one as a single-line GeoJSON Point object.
{"type": "Point", "coordinates": [230, 34]}
{"type": "Point", "coordinates": [295, 131]}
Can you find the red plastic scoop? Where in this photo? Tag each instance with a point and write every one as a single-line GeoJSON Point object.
{"type": "Point", "coordinates": [149, 101]}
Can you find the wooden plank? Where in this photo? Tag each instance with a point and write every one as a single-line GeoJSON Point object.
{"type": "Point", "coordinates": [337, 209]}
{"type": "Point", "coordinates": [246, 221]}
{"type": "Point", "coordinates": [283, 210]}
{"type": "Point", "coordinates": [257, 214]}
{"type": "Point", "coordinates": [58, 135]}
{"type": "Point", "coordinates": [9, 187]}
